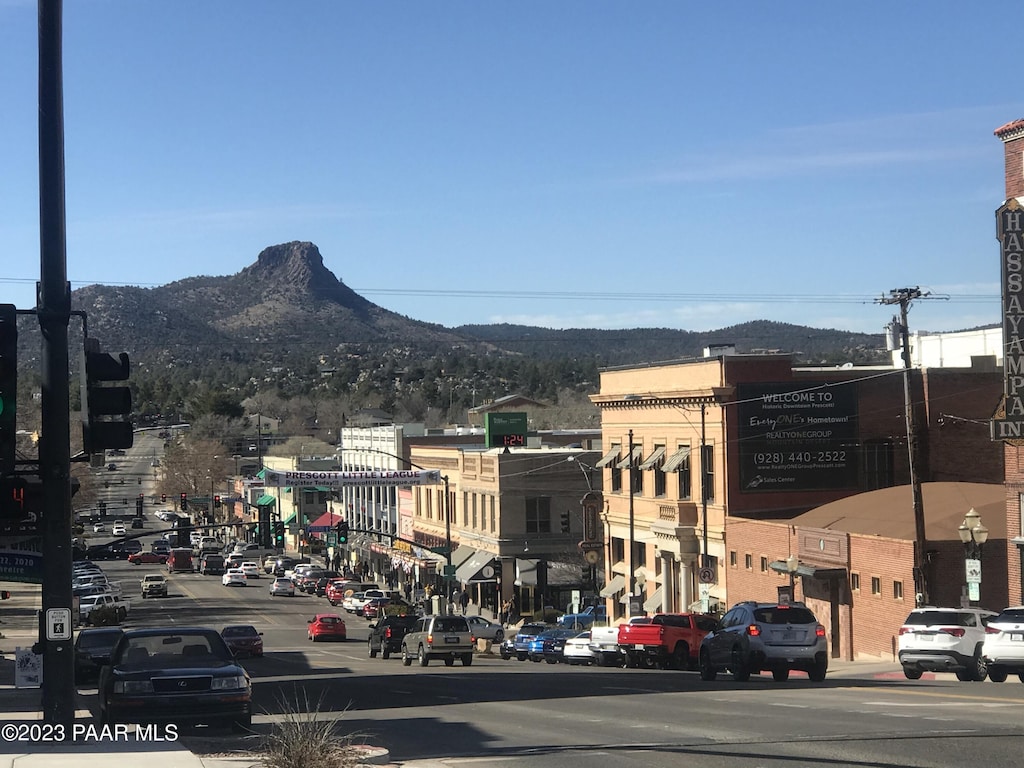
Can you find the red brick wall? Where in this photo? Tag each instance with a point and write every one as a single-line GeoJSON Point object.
{"type": "Point", "coordinates": [1014, 165]}
{"type": "Point", "coordinates": [960, 403]}
{"type": "Point", "coordinates": [1014, 488]}
{"type": "Point", "coordinates": [876, 619]}
{"type": "Point", "coordinates": [774, 541]}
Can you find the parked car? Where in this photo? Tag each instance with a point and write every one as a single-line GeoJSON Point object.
{"type": "Point", "coordinates": [282, 587]}
{"type": "Point", "coordinates": [174, 675]}
{"type": "Point", "coordinates": [234, 577]}
{"type": "Point", "coordinates": [354, 603]}
{"type": "Point", "coordinates": [507, 649]}
{"type": "Point", "coordinates": [243, 640]}
{"type": "Point", "coordinates": [374, 608]}
{"type": "Point", "coordinates": [585, 618]}
{"type": "Point", "coordinates": [1003, 648]}
{"type": "Point", "coordinates": [525, 636]}
{"type": "Point", "coordinates": [548, 645]}
{"type": "Point", "coordinates": [444, 637]}
{"type": "Point", "coordinates": [944, 640]}
{"type": "Point", "coordinates": [577, 649]}
{"type": "Point", "coordinates": [765, 636]}
{"type": "Point", "coordinates": [387, 634]}
{"type": "Point", "coordinates": [92, 651]}
{"type": "Point", "coordinates": [326, 626]}
{"type": "Point", "coordinates": [488, 630]}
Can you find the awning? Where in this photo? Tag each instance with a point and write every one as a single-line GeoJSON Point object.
{"type": "Point", "coordinates": [676, 459]}
{"type": "Point", "coordinates": [654, 458]}
{"type": "Point", "coordinates": [326, 520]}
{"type": "Point", "coordinates": [469, 571]}
{"type": "Point", "coordinates": [261, 474]}
{"type": "Point", "coordinates": [290, 517]}
{"type": "Point", "coordinates": [653, 603]}
{"type": "Point", "coordinates": [321, 488]}
{"type": "Point", "coordinates": [266, 500]}
{"type": "Point", "coordinates": [802, 569]}
{"type": "Point", "coordinates": [462, 553]}
{"type": "Point", "coordinates": [609, 457]}
{"type": "Point", "coordinates": [616, 585]}
{"type": "Point", "coordinates": [526, 573]}
{"type": "Point", "coordinates": [638, 453]}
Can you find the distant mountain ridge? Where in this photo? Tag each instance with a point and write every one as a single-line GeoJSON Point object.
{"type": "Point", "coordinates": [288, 303]}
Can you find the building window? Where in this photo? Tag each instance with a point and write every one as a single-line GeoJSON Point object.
{"type": "Point", "coordinates": [897, 590]}
{"type": "Point", "coordinates": [494, 526]}
{"type": "Point", "coordinates": [638, 479]}
{"type": "Point", "coordinates": [855, 582]}
{"type": "Point", "coordinates": [538, 514]}
{"type": "Point", "coordinates": [685, 484]}
{"type": "Point", "coordinates": [876, 585]}
{"type": "Point", "coordinates": [707, 468]}
{"type": "Point", "coordinates": [748, 561]}
{"type": "Point", "coordinates": [616, 479]}
{"type": "Point", "coordinates": [473, 502]}
{"type": "Point", "coordinates": [465, 509]}
{"type": "Point", "coordinates": [764, 565]}
{"type": "Point", "coordinates": [732, 558]}
{"type": "Point", "coordinates": [618, 550]}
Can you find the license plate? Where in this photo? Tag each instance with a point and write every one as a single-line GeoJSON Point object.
{"type": "Point", "coordinates": [788, 635]}
{"type": "Point", "coordinates": [1017, 637]}
{"type": "Point", "coordinates": [450, 639]}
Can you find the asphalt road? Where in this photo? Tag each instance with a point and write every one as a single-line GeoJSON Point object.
{"type": "Point", "coordinates": [519, 713]}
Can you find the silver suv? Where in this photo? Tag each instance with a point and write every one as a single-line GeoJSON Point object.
{"type": "Point", "coordinates": [752, 637]}
{"type": "Point", "coordinates": [944, 640]}
{"type": "Point", "coordinates": [439, 637]}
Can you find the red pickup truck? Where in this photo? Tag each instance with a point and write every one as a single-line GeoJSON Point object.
{"type": "Point", "coordinates": [668, 640]}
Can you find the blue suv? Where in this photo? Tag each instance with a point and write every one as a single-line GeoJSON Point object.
{"type": "Point", "coordinates": [527, 634]}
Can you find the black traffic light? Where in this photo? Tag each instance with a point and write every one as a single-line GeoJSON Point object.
{"type": "Point", "coordinates": [183, 504]}
{"type": "Point", "coordinates": [103, 509]}
{"type": "Point", "coordinates": [279, 534]}
{"type": "Point", "coordinates": [216, 502]}
{"type": "Point", "coordinates": [105, 408]}
{"type": "Point", "coordinates": [138, 506]}
{"type": "Point", "coordinates": [565, 522]}
{"type": "Point", "coordinates": [163, 498]}
{"type": "Point", "coordinates": [8, 387]}
{"type": "Point", "coordinates": [342, 529]}
{"type": "Point", "coordinates": [184, 531]}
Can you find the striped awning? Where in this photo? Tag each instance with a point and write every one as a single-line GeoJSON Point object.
{"type": "Point", "coordinates": [266, 500]}
{"type": "Point", "coordinates": [676, 459]}
{"type": "Point", "coordinates": [609, 457]}
{"type": "Point", "coordinates": [638, 453]}
{"type": "Point", "coordinates": [616, 585]}
{"type": "Point", "coordinates": [654, 458]}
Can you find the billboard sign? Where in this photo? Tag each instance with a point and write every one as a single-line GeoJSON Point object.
{"type": "Point", "coordinates": [797, 436]}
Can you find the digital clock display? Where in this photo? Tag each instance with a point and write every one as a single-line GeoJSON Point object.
{"type": "Point", "coordinates": [513, 440]}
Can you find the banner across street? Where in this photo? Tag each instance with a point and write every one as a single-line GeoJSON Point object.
{"type": "Point", "coordinates": [277, 479]}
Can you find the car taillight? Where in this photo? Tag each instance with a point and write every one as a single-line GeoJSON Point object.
{"type": "Point", "coordinates": [430, 639]}
{"type": "Point", "coordinates": [387, 632]}
{"type": "Point", "coordinates": [819, 631]}
{"type": "Point", "coordinates": [753, 630]}
{"type": "Point", "coordinates": [472, 639]}
{"type": "Point", "coordinates": [905, 630]}
{"type": "Point", "coordinates": [954, 631]}
{"type": "Point", "coordinates": [992, 630]}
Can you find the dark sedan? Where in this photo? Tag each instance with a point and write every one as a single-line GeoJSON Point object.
{"type": "Point", "coordinates": [549, 645]}
{"type": "Point", "coordinates": [92, 651]}
{"type": "Point", "coordinates": [185, 676]}
{"type": "Point", "coordinates": [243, 640]}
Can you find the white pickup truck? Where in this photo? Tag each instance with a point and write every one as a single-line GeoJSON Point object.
{"type": "Point", "coordinates": [87, 605]}
{"type": "Point", "coordinates": [153, 585]}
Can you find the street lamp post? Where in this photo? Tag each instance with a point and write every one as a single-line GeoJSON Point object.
{"type": "Point", "coordinates": [973, 534]}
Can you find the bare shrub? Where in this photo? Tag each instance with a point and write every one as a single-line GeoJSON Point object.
{"type": "Point", "coordinates": [303, 736]}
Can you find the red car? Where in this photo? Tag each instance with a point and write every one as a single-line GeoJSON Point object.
{"type": "Point", "coordinates": [326, 626]}
{"type": "Point", "coordinates": [334, 591]}
{"type": "Point", "coordinates": [147, 558]}
{"type": "Point", "coordinates": [375, 608]}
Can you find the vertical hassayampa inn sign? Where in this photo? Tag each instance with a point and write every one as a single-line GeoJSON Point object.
{"type": "Point", "coordinates": [1010, 233]}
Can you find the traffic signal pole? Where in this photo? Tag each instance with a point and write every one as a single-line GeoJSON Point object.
{"type": "Point", "coordinates": [54, 312]}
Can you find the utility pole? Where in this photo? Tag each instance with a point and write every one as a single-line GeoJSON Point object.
{"type": "Point", "coordinates": [54, 305]}
{"type": "Point", "coordinates": [632, 546]}
{"type": "Point", "coordinates": [903, 297]}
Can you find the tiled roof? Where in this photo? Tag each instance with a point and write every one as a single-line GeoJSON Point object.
{"type": "Point", "coordinates": [1011, 130]}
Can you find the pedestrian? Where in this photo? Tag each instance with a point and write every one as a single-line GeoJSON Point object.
{"type": "Point", "coordinates": [506, 610]}
{"type": "Point", "coordinates": [464, 601]}
{"type": "Point", "coordinates": [408, 591]}
{"type": "Point", "coordinates": [456, 600]}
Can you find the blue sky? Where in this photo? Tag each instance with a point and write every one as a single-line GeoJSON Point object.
{"type": "Point", "coordinates": [566, 164]}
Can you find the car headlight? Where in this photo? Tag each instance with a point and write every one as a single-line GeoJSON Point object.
{"type": "Point", "coordinates": [229, 683]}
{"type": "Point", "coordinates": [133, 686]}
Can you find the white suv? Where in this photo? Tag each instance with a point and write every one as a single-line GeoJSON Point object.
{"type": "Point", "coordinates": [944, 640]}
{"type": "Point", "coordinates": [1003, 649]}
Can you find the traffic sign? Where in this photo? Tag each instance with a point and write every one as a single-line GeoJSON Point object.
{"type": "Point", "coordinates": [706, 575]}
{"type": "Point", "coordinates": [58, 623]}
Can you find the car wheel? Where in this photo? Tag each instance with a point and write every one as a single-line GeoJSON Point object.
{"type": "Point", "coordinates": [738, 666]}
{"type": "Point", "coordinates": [680, 658]}
{"type": "Point", "coordinates": [521, 657]}
{"type": "Point", "coordinates": [449, 661]}
{"type": "Point", "coordinates": [385, 653]}
{"type": "Point", "coordinates": [912, 673]}
{"type": "Point", "coordinates": [978, 667]}
{"type": "Point", "coordinates": [819, 670]}
{"type": "Point", "coordinates": [467, 659]}
{"type": "Point", "coordinates": [631, 660]}
{"type": "Point", "coordinates": [373, 653]}
{"type": "Point", "coordinates": [707, 672]}
{"type": "Point", "coordinates": [997, 674]}
{"type": "Point", "coordinates": [143, 595]}
{"type": "Point", "coordinates": [499, 636]}
{"type": "Point", "coordinates": [406, 659]}
{"type": "Point", "coordinates": [780, 675]}
{"type": "Point", "coordinates": [551, 661]}
{"type": "Point", "coordinates": [422, 656]}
